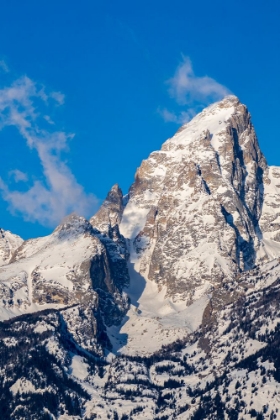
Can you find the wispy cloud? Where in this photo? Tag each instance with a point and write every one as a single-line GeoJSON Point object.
{"type": "Point", "coordinates": [48, 119]}
{"type": "Point", "coordinates": [192, 92]}
{"type": "Point", "coordinates": [18, 175]}
{"type": "Point", "coordinates": [4, 67]}
{"type": "Point", "coordinates": [181, 117]}
{"type": "Point", "coordinates": [186, 87]}
{"type": "Point", "coordinates": [58, 97]}
{"type": "Point", "coordinates": [48, 201]}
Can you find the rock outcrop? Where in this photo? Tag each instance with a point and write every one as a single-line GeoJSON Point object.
{"type": "Point", "coordinates": [110, 213]}
{"type": "Point", "coordinates": [9, 243]}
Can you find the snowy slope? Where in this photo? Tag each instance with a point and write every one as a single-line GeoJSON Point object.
{"type": "Point", "coordinates": [55, 271]}
{"type": "Point", "coordinates": [153, 319]}
{"type": "Point", "coordinates": [225, 369]}
{"type": "Point", "coordinates": [44, 271]}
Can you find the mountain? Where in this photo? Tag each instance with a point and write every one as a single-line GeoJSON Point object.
{"type": "Point", "coordinates": [74, 266]}
{"type": "Point", "coordinates": [201, 210]}
{"type": "Point", "coordinates": [165, 304]}
{"type": "Point", "coordinates": [203, 207]}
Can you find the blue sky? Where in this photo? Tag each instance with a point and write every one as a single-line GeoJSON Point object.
{"type": "Point", "coordinates": [88, 89]}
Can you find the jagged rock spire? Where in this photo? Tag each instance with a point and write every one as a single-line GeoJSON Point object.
{"type": "Point", "coordinates": [110, 213]}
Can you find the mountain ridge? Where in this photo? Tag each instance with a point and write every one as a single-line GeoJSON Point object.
{"type": "Point", "coordinates": [164, 305]}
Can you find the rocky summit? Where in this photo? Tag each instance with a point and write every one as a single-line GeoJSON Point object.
{"type": "Point", "coordinates": [165, 304]}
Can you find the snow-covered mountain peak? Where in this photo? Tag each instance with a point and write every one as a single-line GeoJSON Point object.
{"type": "Point", "coordinates": [72, 225]}
{"type": "Point", "coordinates": [194, 211]}
{"type": "Point", "coordinates": [212, 121]}
{"type": "Point", "coordinates": [9, 243]}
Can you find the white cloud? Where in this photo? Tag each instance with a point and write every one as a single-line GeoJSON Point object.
{"type": "Point", "coordinates": [4, 67]}
{"type": "Point", "coordinates": [48, 119]}
{"type": "Point", "coordinates": [58, 97]}
{"type": "Point", "coordinates": [59, 194]}
{"type": "Point", "coordinates": [192, 92]}
{"type": "Point", "coordinates": [18, 175]}
{"type": "Point", "coordinates": [181, 118]}
{"type": "Point", "coordinates": [186, 87]}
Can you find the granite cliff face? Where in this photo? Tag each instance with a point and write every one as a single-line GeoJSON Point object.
{"type": "Point", "coordinates": [202, 209]}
